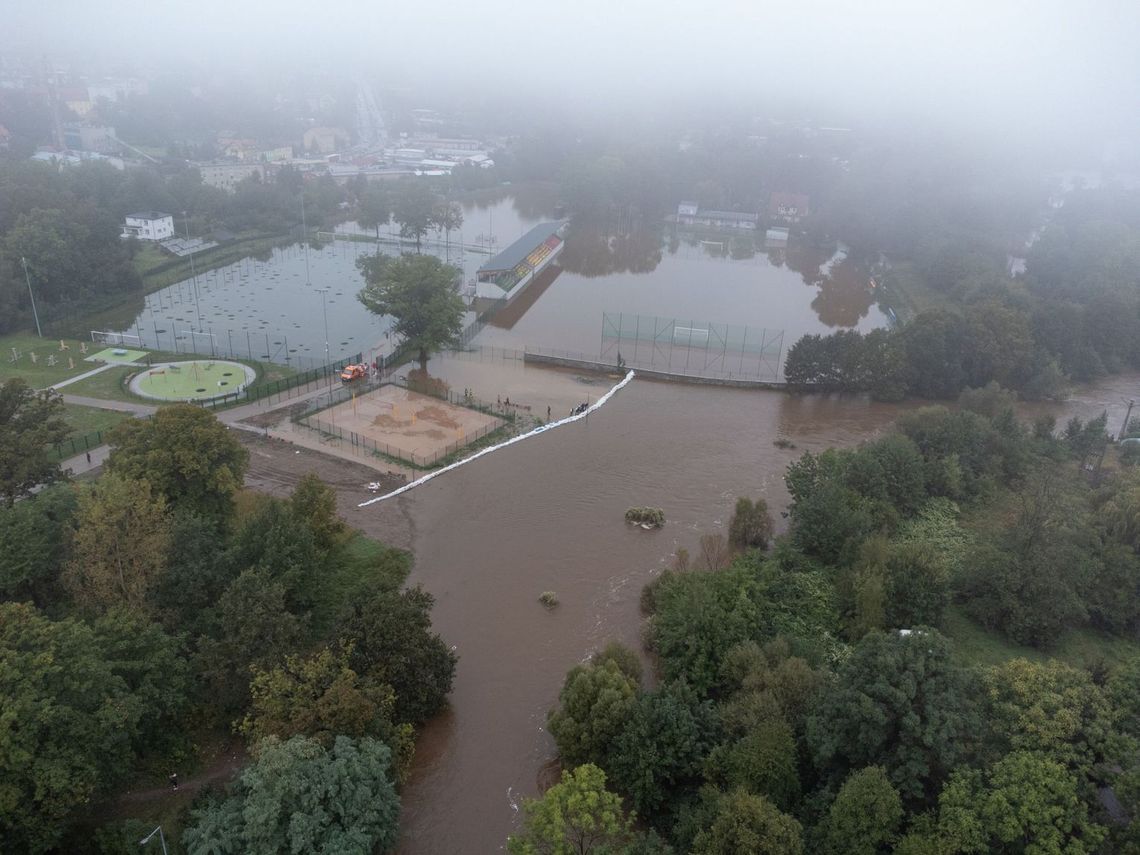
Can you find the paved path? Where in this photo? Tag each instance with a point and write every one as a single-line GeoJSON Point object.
{"type": "Point", "coordinates": [85, 375]}
{"type": "Point", "coordinates": [106, 404]}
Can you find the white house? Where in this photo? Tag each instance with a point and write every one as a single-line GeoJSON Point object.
{"type": "Point", "coordinates": [148, 225]}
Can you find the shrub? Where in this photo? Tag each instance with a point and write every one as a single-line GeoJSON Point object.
{"type": "Point", "coordinates": [649, 516]}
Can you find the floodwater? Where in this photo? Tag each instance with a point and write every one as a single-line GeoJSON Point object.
{"type": "Point", "coordinates": [271, 307]}
{"type": "Point", "coordinates": [547, 515]}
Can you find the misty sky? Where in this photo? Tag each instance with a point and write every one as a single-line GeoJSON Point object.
{"type": "Point", "coordinates": [1044, 66]}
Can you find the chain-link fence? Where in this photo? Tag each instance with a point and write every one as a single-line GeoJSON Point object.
{"type": "Point", "coordinates": [700, 348]}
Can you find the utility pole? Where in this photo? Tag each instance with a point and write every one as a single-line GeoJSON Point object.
{"type": "Point", "coordinates": [31, 296]}
{"type": "Point", "coordinates": [1124, 427]}
{"type": "Point", "coordinates": [324, 312]}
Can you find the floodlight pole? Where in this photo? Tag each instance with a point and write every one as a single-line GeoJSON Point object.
{"type": "Point", "coordinates": [31, 296]}
{"type": "Point", "coordinates": [161, 837]}
{"type": "Point", "coordinates": [193, 271]}
{"type": "Point", "coordinates": [325, 314]}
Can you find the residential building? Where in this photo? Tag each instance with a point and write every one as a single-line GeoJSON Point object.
{"type": "Point", "coordinates": [226, 176]}
{"type": "Point", "coordinates": [148, 225]}
{"type": "Point", "coordinates": [788, 207]}
{"type": "Point", "coordinates": [325, 140]}
{"type": "Point", "coordinates": [689, 214]}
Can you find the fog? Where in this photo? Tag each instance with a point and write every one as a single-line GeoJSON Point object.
{"type": "Point", "coordinates": [1023, 68]}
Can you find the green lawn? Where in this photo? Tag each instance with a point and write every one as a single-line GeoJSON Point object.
{"type": "Point", "coordinates": [1080, 648]}
{"type": "Point", "coordinates": [40, 374]}
{"type": "Point", "coordinates": [107, 385]}
{"type": "Point", "coordinates": [368, 566]}
{"type": "Point", "coordinates": [85, 420]}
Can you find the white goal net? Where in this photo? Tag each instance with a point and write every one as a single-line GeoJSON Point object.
{"type": "Point", "coordinates": [690, 336]}
{"type": "Point", "coordinates": [115, 338]}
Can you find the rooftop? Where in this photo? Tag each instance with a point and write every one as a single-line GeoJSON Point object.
{"type": "Point", "coordinates": [147, 215]}
{"type": "Point", "coordinates": [517, 252]}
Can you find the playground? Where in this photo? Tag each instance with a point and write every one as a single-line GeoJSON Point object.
{"type": "Point", "coordinates": [192, 380]}
{"type": "Point", "coordinates": [404, 424]}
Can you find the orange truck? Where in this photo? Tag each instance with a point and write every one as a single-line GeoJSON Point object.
{"type": "Point", "coordinates": [353, 372]}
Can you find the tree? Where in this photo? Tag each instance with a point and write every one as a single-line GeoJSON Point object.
{"type": "Point", "coordinates": [313, 505]}
{"type": "Point", "coordinates": [577, 816]}
{"type": "Point", "coordinates": [594, 706]}
{"type": "Point", "coordinates": [699, 617]}
{"type": "Point", "coordinates": [35, 536]}
{"type": "Point", "coordinates": [1052, 709]}
{"type": "Point", "coordinates": [663, 746]}
{"type": "Point", "coordinates": [317, 696]}
{"type": "Point", "coordinates": [121, 542]}
{"type": "Point", "coordinates": [186, 455]}
{"type": "Point", "coordinates": [30, 423]}
{"type": "Point", "coordinates": [374, 208]}
{"type": "Point", "coordinates": [392, 643]}
{"type": "Point", "coordinates": [899, 702]}
{"type": "Point", "coordinates": [1025, 803]}
{"type": "Point", "coordinates": [865, 817]}
{"type": "Point", "coordinates": [69, 723]}
{"type": "Point", "coordinates": [252, 626]}
{"type": "Point", "coordinates": [416, 290]}
{"type": "Point", "coordinates": [299, 797]}
{"type": "Point", "coordinates": [197, 572]}
{"type": "Point", "coordinates": [447, 217]}
{"type": "Point", "coordinates": [749, 823]}
{"type": "Point", "coordinates": [751, 525]}
{"type": "Point", "coordinates": [762, 762]}
{"type": "Point", "coordinates": [414, 209]}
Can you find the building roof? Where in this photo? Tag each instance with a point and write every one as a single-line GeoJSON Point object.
{"type": "Point", "coordinates": [728, 215]}
{"type": "Point", "coordinates": [778, 200]}
{"type": "Point", "coordinates": [517, 252]}
{"type": "Point", "coordinates": [148, 215]}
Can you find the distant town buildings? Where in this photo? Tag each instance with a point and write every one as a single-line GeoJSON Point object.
{"type": "Point", "coordinates": [148, 225]}
{"type": "Point", "coordinates": [689, 214]}
{"type": "Point", "coordinates": [325, 140]}
{"type": "Point", "coordinates": [788, 207]}
{"type": "Point", "coordinates": [81, 136]}
{"type": "Point", "coordinates": [226, 176]}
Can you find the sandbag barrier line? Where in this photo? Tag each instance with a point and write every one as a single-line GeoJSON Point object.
{"type": "Point", "coordinates": [511, 441]}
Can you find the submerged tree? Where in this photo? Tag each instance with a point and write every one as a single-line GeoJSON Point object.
{"type": "Point", "coordinates": [417, 290]}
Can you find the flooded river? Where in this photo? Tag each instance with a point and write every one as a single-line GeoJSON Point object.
{"type": "Point", "coordinates": [277, 306]}
{"type": "Point", "coordinates": [546, 514]}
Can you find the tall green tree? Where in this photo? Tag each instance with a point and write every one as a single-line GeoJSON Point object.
{"type": "Point", "coordinates": [577, 816]}
{"type": "Point", "coordinates": [900, 702]}
{"type": "Point", "coordinates": [79, 704]}
{"type": "Point", "coordinates": [749, 823]}
{"type": "Point", "coordinates": [393, 643]}
{"type": "Point", "coordinates": [865, 817]}
{"type": "Point", "coordinates": [30, 423]}
{"type": "Point", "coordinates": [1024, 804]}
{"type": "Point", "coordinates": [751, 525]}
{"type": "Point", "coordinates": [374, 208]}
{"type": "Point", "coordinates": [120, 547]}
{"type": "Point", "coordinates": [593, 708]}
{"type": "Point", "coordinates": [414, 209]}
{"type": "Point", "coordinates": [186, 455]}
{"type": "Point", "coordinates": [35, 534]}
{"type": "Point", "coordinates": [418, 291]}
{"type": "Point", "coordinates": [300, 797]}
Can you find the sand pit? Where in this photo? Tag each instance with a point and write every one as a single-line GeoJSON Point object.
{"type": "Point", "coordinates": [404, 424]}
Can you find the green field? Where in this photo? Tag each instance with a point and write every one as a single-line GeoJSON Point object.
{"type": "Point", "coordinates": [39, 375]}
{"type": "Point", "coordinates": [192, 380]}
{"type": "Point", "coordinates": [85, 420]}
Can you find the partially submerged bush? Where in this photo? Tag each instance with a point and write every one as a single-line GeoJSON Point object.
{"type": "Point", "coordinates": [548, 599]}
{"type": "Point", "coordinates": [648, 516]}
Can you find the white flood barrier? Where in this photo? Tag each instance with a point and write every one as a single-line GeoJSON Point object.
{"type": "Point", "coordinates": [511, 441]}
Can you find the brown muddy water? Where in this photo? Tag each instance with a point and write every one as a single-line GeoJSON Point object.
{"type": "Point", "coordinates": [546, 514]}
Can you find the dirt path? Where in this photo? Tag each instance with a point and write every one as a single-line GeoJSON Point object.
{"type": "Point", "coordinates": [224, 767]}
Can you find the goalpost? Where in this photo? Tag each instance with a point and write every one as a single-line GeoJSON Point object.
{"type": "Point", "coordinates": [691, 336]}
{"type": "Point", "coordinates": [115, 338]}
